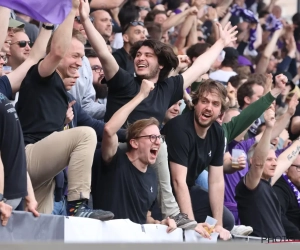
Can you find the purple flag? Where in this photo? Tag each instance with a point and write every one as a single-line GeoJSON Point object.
{"type": "Point", "coordinates": [48, 11]}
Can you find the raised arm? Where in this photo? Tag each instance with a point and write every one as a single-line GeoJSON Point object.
{"type": "Point", "coordinates": [110, 138]}
{"type": "Point", "coordinates": [109, 64]}
{"type": "Point", "coordinates": [105, 4]}
{"type": "Point", "coordinates": [4, 19]}
{"type": "Point", "coordinates": [261, 152]}
{"type": "Point", "coordinates": [60, 43]}
{"type": "Point", "coordinates": [37, 52]}
{"type": "Point", "coordinates": [286, 159]}
{"type": "Point", "coordinates": [203, 63]}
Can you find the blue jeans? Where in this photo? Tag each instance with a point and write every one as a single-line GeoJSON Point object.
{"type": "Point", "coordinates": [60, 208]}
{"type": "Point", "coordinates": [202, 180]}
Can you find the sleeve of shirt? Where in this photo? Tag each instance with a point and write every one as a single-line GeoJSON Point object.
{"type": "Point", "coordinates": [119, 83]}
{"type": "Point", "coordinates": [241, 122]}
{"type": "Point", "coordinates": [5, 87]}
{"type": "Point", "coordinates": [175, 88]}
{"type": "Point", "coordinates": [218, 157]}
{"type": "Point", "coordinates": [245, 145]}
{"type": "Point", "coordinates": [177, 143]}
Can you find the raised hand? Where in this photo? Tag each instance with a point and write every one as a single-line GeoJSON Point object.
{"type": "Point", "coordinates": [146, 88]}
{"type": "Point", "coordinates": [193, 10]}
{"type": "Point", "coordinates": [227, 34]}
{"type": "Point", "coordinates": [184, 62]}
{"type": "Point", "coordinates": [84, 10]}
{"type": "Point", "coordinates": [280, 82]}
{"type": "Point", "coordinates": [269, 116]}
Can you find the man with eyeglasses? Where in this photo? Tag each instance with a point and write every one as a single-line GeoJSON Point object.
{"type": "Point", "coordinates": [129, 185]}
{"type": "Point", "coordinates": [132, 33]}
{"type": "Point", "coordinates": [287, 189]}
{"type": "Point", "coordinates": [19, 49]}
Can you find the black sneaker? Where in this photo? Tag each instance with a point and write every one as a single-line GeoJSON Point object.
{"type": "Point", "coordinates": [98, 214]}
{"type": "Point", "coordinates": [184, 222]}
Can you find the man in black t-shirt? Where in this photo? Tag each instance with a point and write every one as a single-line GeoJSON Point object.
{"type": "Point", "coordinates": [287, 190]}
{"type": "Point", "coordinates": [195, 140]}
{"type": "Point", "coordinates": [257, 202]}
{"type": "Point", "coordinates": [42, 107]}
{"type": "Point", "coordinates": [153, 61]}
{"type": "Point", "coordinates": [130, 186]}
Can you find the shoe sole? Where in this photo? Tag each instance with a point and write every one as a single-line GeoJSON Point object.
{"type": "Point", "coordinates": [103, 217]}
{"type": "Point", "coordinates": [189, 226]}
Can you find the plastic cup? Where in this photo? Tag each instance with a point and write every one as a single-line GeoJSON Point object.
{"type": "Point", "coordinates": [236, 153]}
{"type": "Point", "coordinates": [212, 222]}
{"type": "Point", "coordinates": [6, 69]}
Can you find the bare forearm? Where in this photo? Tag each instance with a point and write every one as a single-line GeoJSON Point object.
{"type": "Point", "coordinates": [120, 117]}
{"type": "Point", "coordinates": [174, 20]}
{"type": "Point", "coordinates": [262, 148]}
{"type": "Point", "coordinates": [4, 19]}
{"type": "Point", "coordinates": [216, 199]}
{"type": "Point", "coordinates": [184, 199]}
{"type": "Point", "coordinates": [280, 125]}
{"type": "Point", "coordinates": [272, 44]}
{"type": "Point", "coordinates": [30, 195]}
{"type": "Point", "coordinates": [104, 4]}
{"type": "Point", "coordinates": [63, 35]}
{"type": "Point", "coordinates": [39, 48]}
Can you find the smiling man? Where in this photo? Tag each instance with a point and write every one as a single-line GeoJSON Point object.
{"type": "Point", "coordinates": [195, 140]}
{"type": "Point", "coordinates": [20, 48]}
{"type": "Point", "coordinates": [42, 107]}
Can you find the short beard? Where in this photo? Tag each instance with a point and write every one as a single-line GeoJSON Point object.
{"type": "Point", "coordinates": [203, 125]}
{"type": "Point", "coordinates": [153, 73]}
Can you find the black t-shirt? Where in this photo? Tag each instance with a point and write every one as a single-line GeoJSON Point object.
{"type": "Point", "coordinates": [124, 190]}
{"type": "Point", "coordinates": [297, 113]}
{"type": "Point", "coordinates": [290, 208]}
{"type": "Point", "coordinates": [186, 148]}
{"type": "Point", "coordinates": [124, 60]}
{"type": "Point", "coordinates": [260, 209]}
{"type": "Point", "coordinates": [42, 105]}
{"type": "Point", "coordinates": [123, 87]}
{"type": "Point", "coordinates": [11, 145]}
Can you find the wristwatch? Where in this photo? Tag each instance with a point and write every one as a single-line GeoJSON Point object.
{"type": "Point", "coordinates": [51, 27]}
{"type": "Point", "coordinates": [2, 198]}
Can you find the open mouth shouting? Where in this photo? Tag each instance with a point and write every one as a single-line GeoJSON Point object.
{"type": "Point", "coordinates": [154, 152]}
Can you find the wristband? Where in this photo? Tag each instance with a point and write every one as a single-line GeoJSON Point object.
{"type": "Point", "coordinates": [48, 27]}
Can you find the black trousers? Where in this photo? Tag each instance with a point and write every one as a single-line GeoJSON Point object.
{"type": "Point", "coordinates": [201, 208]}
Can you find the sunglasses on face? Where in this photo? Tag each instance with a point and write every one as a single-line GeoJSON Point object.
{"type": "Point", "coordinates": [145, 8]}
{"type": "Point", "coordinates": [22, 44]}
{"type": "Point", "coordinates": [77, 19]}
{"type": "Point", "coordinates": [97, 68]}
{"type": "Point", "coordinates": [134, 23]}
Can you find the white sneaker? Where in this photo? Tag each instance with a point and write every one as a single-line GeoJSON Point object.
{"type": "Point", "coordinates": [241, 230]}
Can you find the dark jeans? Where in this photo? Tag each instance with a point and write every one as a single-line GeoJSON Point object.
{"type": "Point", "coordinates": [201, 208]}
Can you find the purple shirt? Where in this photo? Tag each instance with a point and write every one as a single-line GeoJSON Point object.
{"type": "Point", "coordinates": [231, 180]}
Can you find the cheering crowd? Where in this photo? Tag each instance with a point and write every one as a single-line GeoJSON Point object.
{"type": "Point", "coordinates": [161, 112]}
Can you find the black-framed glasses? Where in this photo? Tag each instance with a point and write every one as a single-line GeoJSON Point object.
{"type": "Point", "coordinates": [297, 167]}
{"type": "Point", "coordinates": [134, 23]}
{"type": "Point", "coordinates": [4, 58]}
{"type": "Point", "coordinates": [97, 68]}
{"type": "Point", "coordinates": [77, 19]}
{"type": "Point", "coordinates": [152, 138]}
{"type": "Point", "coordinates": [22, 44]}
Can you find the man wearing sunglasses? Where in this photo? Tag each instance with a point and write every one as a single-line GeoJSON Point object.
{"type": "Point", "coordinates": [20, 48]}
{"type": "Point", "coordinates": [132, 33]}
{"type": "Point", "coordinates": [287, 189]}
